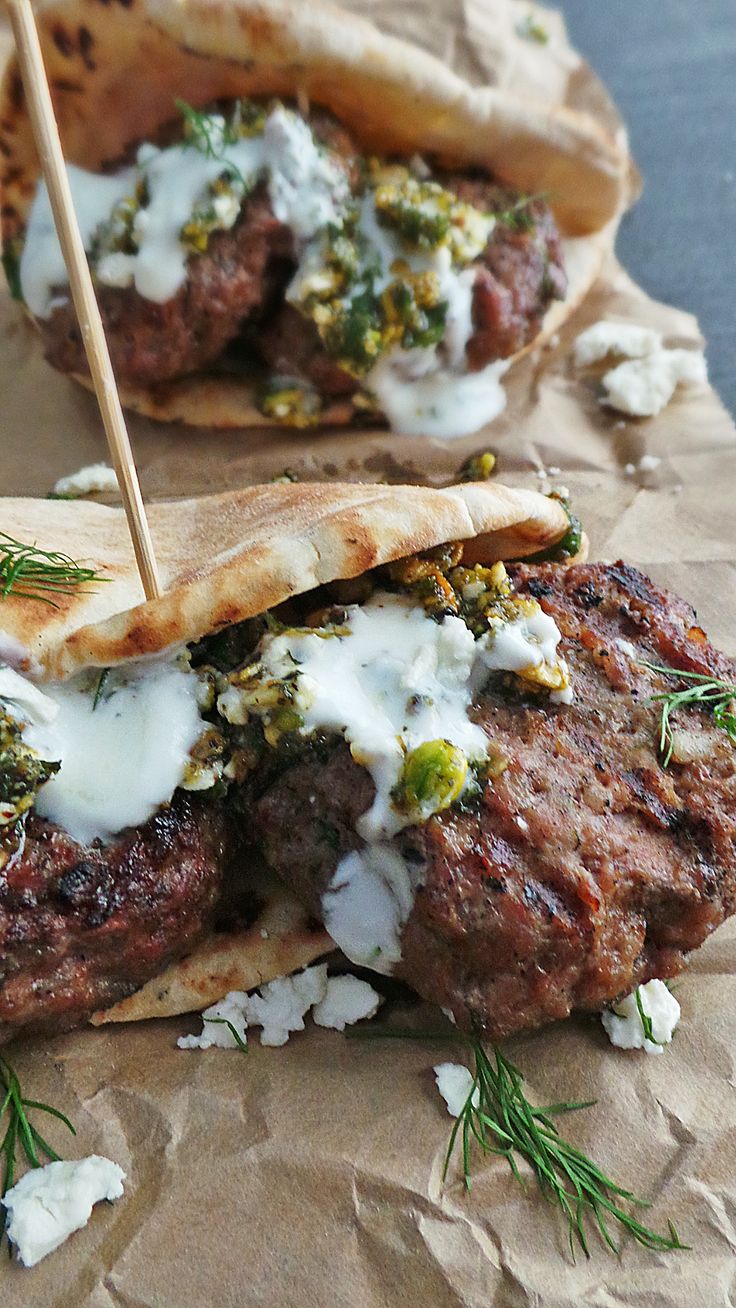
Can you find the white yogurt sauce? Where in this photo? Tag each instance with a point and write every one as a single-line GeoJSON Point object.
{"type": "Point", "coordinates": [51, 1202]}
{"type": "Point", "coordinates": [42, 264]}
{"type": "Point", "coordinates": [306, 188]}
{"type": "Point", "coordinates": [397, 679]}
{"type": "Point", "coordinates": [440, 403]}
{"type": "Point", "coordinates": [428, 391]}
{"type": "Point", "coordinates": [530, 641]}
{"type": "Point", "coordinates": [119, 761]}
{"type": "Point", "coordinates": [364, 685]}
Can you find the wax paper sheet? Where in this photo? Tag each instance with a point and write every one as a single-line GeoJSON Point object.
{"type": "Point", "coordinates": [311, 1175]}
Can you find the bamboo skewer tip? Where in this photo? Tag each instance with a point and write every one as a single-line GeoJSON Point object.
{"type": "Point", "coordinates": [46, 134]}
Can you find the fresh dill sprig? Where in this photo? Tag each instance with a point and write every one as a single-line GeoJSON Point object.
{"type": "Point", "coordinates": [209, 138]}
{"type": "Point", "coordinates": [500, 1119]}
{"type": "Point", "coordinates": [703, 690]}
{"type": "Point", "coordinates": [645, 1019]}
{"type": "Point", "coordinates": [498, 1116]}
{"type": "Point", "coordinates": [32, 573]}
{"type": "Point", "coordinates": [20, 1131]}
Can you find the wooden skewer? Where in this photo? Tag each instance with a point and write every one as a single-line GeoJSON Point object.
{"type": "Point", "coordinates": [46, 135]}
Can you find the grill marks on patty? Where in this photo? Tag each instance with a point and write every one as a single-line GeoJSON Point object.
{"type": "Point", "coordinates": [81, 928]}
{"type": "Point", "coordinates": [586, 868]}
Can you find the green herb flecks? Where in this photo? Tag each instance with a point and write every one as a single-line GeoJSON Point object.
{"type": "Point", "coordinates": [100, 687]}
{"type": "Point", "coordinates": [28, 572]}
{"type": "Point", "coordinates": [11, 266]}
{"type": "Point", "coordinates": [210, 137]}
{"type": "Point", "coordinates": [22, 772]}
{"type": "Point", "coordinates": [701, 691]}
{"type": "Point", "coordinates": [498, 1116]}
{"type": "Point", "coordinates": [520, 216]}
{"type": "Point", "coordinates": [479, 467]}
{"type": "Point", "coordinates": [532, 30]}
{"type": "Point", "coordinates": [20, 1133]}
{"type": "Point", "coordinates": [568, 546]}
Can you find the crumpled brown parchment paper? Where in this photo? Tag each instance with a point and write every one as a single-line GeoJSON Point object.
{"type": "Point", "coordinates": [311, 1175]}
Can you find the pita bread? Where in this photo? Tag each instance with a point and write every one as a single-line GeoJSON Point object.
{"type": "Point", "coordinates": [281, 939]}
{"type": "Point", "coordinates": [227, 557]}
{"type": "Point", "coordinates": [115, 71]}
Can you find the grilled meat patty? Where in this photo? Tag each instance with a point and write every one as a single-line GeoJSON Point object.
{"type": "Point", "coordinates": [82, 927]}
{"type": "Point", "coordinates": [235, 291]}
{"type": "Point", "coordinates": [152, 342]}
{"type": "Point", "coordinates": [519, 274]}
{"type": "Point", "coordinates": [587, 867]}
{"type": "Point", "coordinates": [241, 272]}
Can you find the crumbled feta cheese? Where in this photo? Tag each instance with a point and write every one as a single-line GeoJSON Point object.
{"type": "Point", "coordinates": [454, 1081]}
{"type": "Point", "coordinates": [51, 1202]}
{"type": "Point", "coordinates": [95, 477]}
{"type": "Point", "coordinates": [419, 168]}
{"type": "Point", "coordinates": [642, 387]}
{"type": "Point", "coordinates": [116, 269]}
{"type": "Point", "coordinates": [227, 208]}
{"type": "Point", "coordinates": [625, 1028]}
{"type": "Point", "coordinates": [621, 338]}
{"type": "Point", "coordinates": [646, 381]}
{"type": "Point", "coordinates": [630, 469]}
{"type": "Point", "coordinates": [554, 471]}
{"type": "Point", "coordinates": [648, 462]}
{"type": "Point", "coordinates": [280, 1006]}
{"type": "Point", "coordinates": [627, 648]}
{"type": "Point", "coordinates": [216, 1033]}
{"type": "Point", "coordinates": [347, 999]}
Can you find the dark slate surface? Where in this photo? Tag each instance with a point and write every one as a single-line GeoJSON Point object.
{"type": "Point", "coordinates": [671, 66]}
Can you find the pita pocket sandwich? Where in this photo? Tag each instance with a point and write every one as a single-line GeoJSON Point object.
{"type": "Point", "coordinates": [294, 219]}
{"type": "Point", "coordinates": [126, 857]}
{"type": "Point", "coordinates": [457, 767]}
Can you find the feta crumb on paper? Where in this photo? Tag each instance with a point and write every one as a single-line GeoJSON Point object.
{"type": "Point", "coordinates": [95, 477]}
{"type": "Point", "coordinates": [453, 1082]}
{"type": "Point", "coordinates": [646, 381]}
{"type": "Point", "coordinates": [647, 463]}
{"type": "Point", "coordinates": [624, 1026]}
{"type": "Point", "coordinates": [47, 1204]}
{"type": "Point", "coordinates": [347, 999]}
{"type": "Point", "coordinates": [643, 387]}
{"type": "Point", "coordinates": [621, 338]}
{"type": "Point", "coordinates": [216, 1034]}
{"type": "Point", "coordinates": [627, 648]}
{"type": "Point", "coordinates": [280, 1006]}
